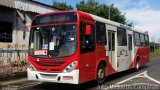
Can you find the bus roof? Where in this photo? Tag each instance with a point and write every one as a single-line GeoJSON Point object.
{"type": "Point", "coordinates": [99, 19]}
{"type": "Point", "coordinates": [107, 21]}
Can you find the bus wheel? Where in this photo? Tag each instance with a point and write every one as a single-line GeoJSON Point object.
{"type": "Point", "coordinates": [137, 66]}
{"type": "Point", "coordinates": [101, 74]}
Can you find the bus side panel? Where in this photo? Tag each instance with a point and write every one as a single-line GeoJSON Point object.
{"type": "Point", "coordinates": [101, 53]}
{"type": "Point", "coordinates": [109, 68]}
{"type": "Point", "coordinates": [144, 55]}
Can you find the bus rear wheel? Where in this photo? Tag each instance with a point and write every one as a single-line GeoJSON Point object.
{"type": "Point", "coordinates": [101, 74]}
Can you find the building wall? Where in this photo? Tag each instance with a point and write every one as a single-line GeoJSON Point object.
{"type": "Point", "coordinates": [14, 54]}
{"type": "Point", "coordinates": [15, 20]}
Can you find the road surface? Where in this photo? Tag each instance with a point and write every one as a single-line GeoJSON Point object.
{"type": "Point", "coordinates": [148, 77]}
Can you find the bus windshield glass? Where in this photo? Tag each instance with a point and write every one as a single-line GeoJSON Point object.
{"type": "Point", "coordinates": [55, 18]}
{"type": "Point", "coordinates": [53, 41]}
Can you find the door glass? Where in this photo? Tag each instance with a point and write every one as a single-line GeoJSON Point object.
{"type": "Point", "coordinates": [130, 42]}
{"type": "Point", "coordinates": [111, 41]}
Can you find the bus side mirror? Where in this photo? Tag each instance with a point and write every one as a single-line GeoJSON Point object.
{"type": "Point", "coordinates": [88, 30]}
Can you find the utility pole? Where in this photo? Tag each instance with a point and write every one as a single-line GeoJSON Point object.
{"type": "Point", "coordinates": [53, 2]}
{"type": "Point", "coordinates": [109, 9]}
{"type": "Point", "coordinates": [154, 45]}
{"type": "Point", "coordinates": [109, 12]}
{"type": "Point", "coordinates": [154, 41]}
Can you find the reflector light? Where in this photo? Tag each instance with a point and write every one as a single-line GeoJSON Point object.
{"type": "Point", "coordinates": [67, 77]}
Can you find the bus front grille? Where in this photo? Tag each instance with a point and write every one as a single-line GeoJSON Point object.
{"type": "Point", "coordinates": [49, 63]}
{"type": "Point", "coordinates": [49, 70]}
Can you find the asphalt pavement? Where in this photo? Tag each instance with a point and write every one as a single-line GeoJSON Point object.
{"type": "Point", "coordinates": [148, 77]}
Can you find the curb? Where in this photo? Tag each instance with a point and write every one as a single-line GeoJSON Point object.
{"type": "Point", "coordinates": [13, 81]}
{"type": "Point", "coordinates": [154, 58]}
{"type": "Point", "coordinates": [12, 76]}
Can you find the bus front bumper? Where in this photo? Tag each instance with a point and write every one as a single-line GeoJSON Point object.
{"type": "Point", "coordinates": [71, 77]}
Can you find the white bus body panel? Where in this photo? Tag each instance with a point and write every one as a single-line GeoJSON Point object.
{"type": "Point", "coordinates": [53, 77]}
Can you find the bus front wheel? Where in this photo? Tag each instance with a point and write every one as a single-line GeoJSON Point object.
{"type": "Point", "coordinates": [101, 74]}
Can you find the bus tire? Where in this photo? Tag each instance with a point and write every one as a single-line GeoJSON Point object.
{"type": "Point", "coordinates": [101, 74]}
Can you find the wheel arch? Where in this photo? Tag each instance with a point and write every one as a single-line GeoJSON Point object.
{"type": "Point", "coordinates": [137, 60]}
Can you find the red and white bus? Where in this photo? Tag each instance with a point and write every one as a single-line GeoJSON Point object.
{"type": "Point", "coordinates": [75, 47]}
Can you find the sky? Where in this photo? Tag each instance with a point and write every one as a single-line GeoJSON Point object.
{"type": "Point", "coordinates": [145, 14]}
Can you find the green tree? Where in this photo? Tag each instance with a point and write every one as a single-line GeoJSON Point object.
{"type": "Point", "coordinates": [93, 7]}
{"type": "Point", "coordinates": [62, 5]}
{"type": "Point", "coordinates": [102, 10]}
{"type": "Point", "coordinates": [154, 44]}
{"type": "Point", "coordinates": [88, 7]}
{"type": "Point", "coordinates": [130, 24]}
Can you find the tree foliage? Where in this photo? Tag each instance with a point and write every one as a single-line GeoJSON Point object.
{"type": "Point", "coordinates": [103, 10]}
{"type": "Point", "coordinates": [154, 45]}
{"type": "Point", "coordinates": [93, 7]}
{"type": "Point", "coordinates": [88, 7]}
{"type": "Point", "coordinates": [62, 5]}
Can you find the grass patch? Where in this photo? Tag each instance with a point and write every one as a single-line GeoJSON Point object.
{"type": "Point", "coordinates": [156, 53]}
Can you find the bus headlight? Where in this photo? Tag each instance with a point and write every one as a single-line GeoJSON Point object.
{"type": "Point", "coordinates": [70, 67]}
{"type": "Point", "coordinates": [31, 67]}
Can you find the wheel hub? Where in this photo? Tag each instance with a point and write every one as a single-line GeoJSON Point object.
{"type": "Point", "coordinates": [101, 74]}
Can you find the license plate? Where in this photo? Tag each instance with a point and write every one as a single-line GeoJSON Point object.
{"type": "Point", "coordinates": [40, 52]}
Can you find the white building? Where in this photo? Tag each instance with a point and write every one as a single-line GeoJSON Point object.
{"type": "Point", "coordinates": [15, 21]}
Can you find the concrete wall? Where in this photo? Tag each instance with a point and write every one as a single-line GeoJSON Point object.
{"type": "Point", "coordinates": [13, 56]}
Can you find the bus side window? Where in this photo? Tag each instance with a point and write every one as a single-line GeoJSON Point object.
{"type": "Point", "coordinates": [87, 42]}
{"type": "Point", "coordinates": [146, 40]}
{"type": "Point", "coordinates": [137, 39]}
{"type": "Point", "coordinates": [142, 40]}
{"type": "Point", "coordinates": [101, 33]}
{"type": "Point", "coordinates": [122, 38]}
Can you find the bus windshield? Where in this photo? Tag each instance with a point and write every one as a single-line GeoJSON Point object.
{"type": "Point", "coordinates": [53, 41]}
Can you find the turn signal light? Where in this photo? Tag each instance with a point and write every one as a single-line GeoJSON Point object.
{"type": "Point", "coordinates": [67, 77]}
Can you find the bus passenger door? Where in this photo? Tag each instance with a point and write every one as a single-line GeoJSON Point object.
{"type": "Point", "coordinates": [130, 48]}
{"type": "Point", "coordinates": [111, 49]}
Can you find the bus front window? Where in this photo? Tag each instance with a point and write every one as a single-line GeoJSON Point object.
{"type": "Point", "coordinates": [53, 41]}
